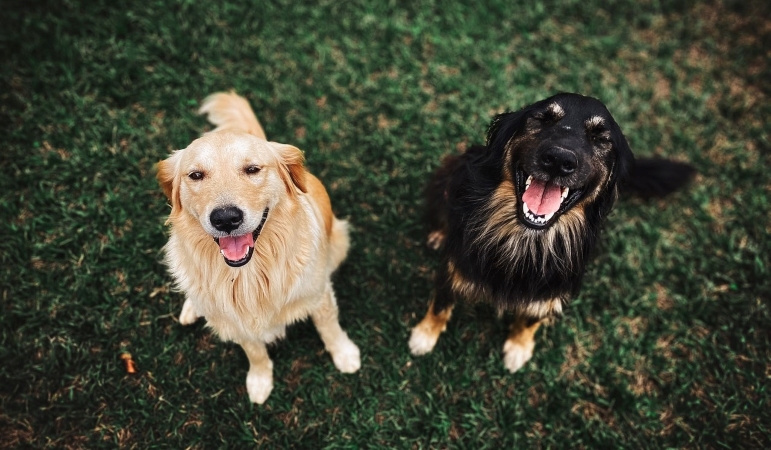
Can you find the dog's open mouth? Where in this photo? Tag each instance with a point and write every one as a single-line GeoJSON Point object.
{"type": "Point", "coordinates": [238, 250]}
{"type": "Point", "coordinates": [544, 201]}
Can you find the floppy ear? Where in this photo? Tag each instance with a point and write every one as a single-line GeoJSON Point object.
{"type": "Point", "coordinates": [505, 126]}
{"type": "Point", "coordinates": [621, 165]}
{"type": "Point", "coordinates": [292, 167]}
{"type": "Point", "coordinates": [624, 162]}
{"type": "Point", "coordinates": [168, 177]}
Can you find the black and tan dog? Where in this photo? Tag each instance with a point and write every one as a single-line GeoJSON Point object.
{"type": "Point", "coordinates": [518, 218]}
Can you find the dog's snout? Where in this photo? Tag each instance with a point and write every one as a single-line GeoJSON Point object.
{"type": "Point", "coordinates": [226, 219]}
{"type": "Point", "coordinates": [558, 161]}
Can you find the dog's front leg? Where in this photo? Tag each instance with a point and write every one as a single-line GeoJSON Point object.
{"type": "Point", "coordinates": [519, 346]}
{"type": "Point", "coordinates": [425, 334]}
{"type": "Point", "coordinates": [345, 354]}
{"type": "Point", "coordinates": [259, 380]}
{"type": "Point", "coordinates": [189, 314]}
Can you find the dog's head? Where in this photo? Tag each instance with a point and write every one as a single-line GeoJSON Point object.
{"type": "Point", "coordinates": [228, 183]}
{"type": "Point", "coordinates": [560, 152]}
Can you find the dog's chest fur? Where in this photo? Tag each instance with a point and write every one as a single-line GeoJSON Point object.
{"type": "Point", "coordinates": [280, 285]}
{"type": "Point", "coordinates": [493, 257]}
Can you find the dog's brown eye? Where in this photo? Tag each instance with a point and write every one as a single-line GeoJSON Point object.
{"type": "Point", "coordinates": [195, 175]}
{"type": "Point", "coordinates": [251, 170]}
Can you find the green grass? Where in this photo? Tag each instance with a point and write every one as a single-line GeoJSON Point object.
{"type": "Point", "coordinates": [666, 346]}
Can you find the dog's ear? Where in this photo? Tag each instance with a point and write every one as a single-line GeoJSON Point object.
{"type": "Point", "coordinates": [168, 176]}
{"type": "Point", "coordinates": [292, 170]}
{"type": "Point", "coordinates": [504, 126]}
{"type": "Point", "coordinates": [621, 164]}
{"type": "Point", "coordinates": [624, 162]}
{"type": "Point", "coordinates": [507, 125]}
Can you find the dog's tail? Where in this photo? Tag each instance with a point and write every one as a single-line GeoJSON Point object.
{"type": "Point", "coordinates": [657, 177]}
{"type": "Point", "coordinates": [339, 242]}
{"type": "Point", "coordinates": [230, 111]}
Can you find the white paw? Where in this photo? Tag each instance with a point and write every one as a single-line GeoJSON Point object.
{"type": "Point", "coordinates": [422, 340]}
{"type": "Point", "coordinates": [346, 356]}
{"type": "Point", "coordinates": [259, 385]}
{"type": "Point", "coordinates": [515, 355]}
{"type": "Point", "coordinates": [188, 316]}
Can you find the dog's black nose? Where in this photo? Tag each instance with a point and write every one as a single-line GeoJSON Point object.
{"type": "Point", "coordinates": [226, 219]}
{"type": "Point", "coordinates": [558, 161]}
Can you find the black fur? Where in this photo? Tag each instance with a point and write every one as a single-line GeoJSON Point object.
{"type": "Point", "coordinates": [656, 177]}
{"type": "Point", "coordinates": [475, 200]}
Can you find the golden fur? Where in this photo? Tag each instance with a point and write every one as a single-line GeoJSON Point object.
{"type": "Point", "coordinates": [288, 276]}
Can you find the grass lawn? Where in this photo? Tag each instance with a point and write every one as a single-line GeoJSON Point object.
{"type": "Point", "coordinates": [667, 345]}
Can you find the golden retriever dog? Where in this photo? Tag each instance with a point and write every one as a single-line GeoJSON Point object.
{"type": "Point", "coordinates": [253, 240]}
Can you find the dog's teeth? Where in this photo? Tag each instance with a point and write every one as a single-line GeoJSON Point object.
{"type": "Point", "coordinates": [547, 217]}
{"type": "Point", "coordinates": [528, 181]}
{"type": "Point", "coordinates": [565, 193]}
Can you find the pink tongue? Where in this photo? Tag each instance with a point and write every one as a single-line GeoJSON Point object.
{"type": "Point", "coordinates": [235, 248]}
{"type": "Point", "coordinates": [542, 197]}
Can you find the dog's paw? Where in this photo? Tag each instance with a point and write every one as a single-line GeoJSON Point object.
{"type": "Point", "coordinates": [346, 356]}
{"type": "Point", "coordinates": [422, 340]}
{"type": "Point", "coordinates": [188, 316]}
{"type": "Point", "coordinates": [516, 354]}
{"type": "Point", "coordinates": [435, 239]}
{"type": "Point", "coordinates": [259, 385]}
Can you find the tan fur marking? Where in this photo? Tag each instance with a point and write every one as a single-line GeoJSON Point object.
{"type": "Point", "coordinates": [594, 121]}
{"type": "Point", "coordinates": [461, 285]}
{"type": "Point", "coordinates": [557, 110]}
{"type": "Point", "coordinates": [518, 348]}
{"type": "Point", "coordinates": [521, 334]}
{"type": "Point", "coordinates": [436, 239]}
{"type": "Point", "coordinates": [514, 143]}
{"type": "Point", "coordinates": [501, 225]}
{"type": "Point", "coordinates": [434, 324]}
